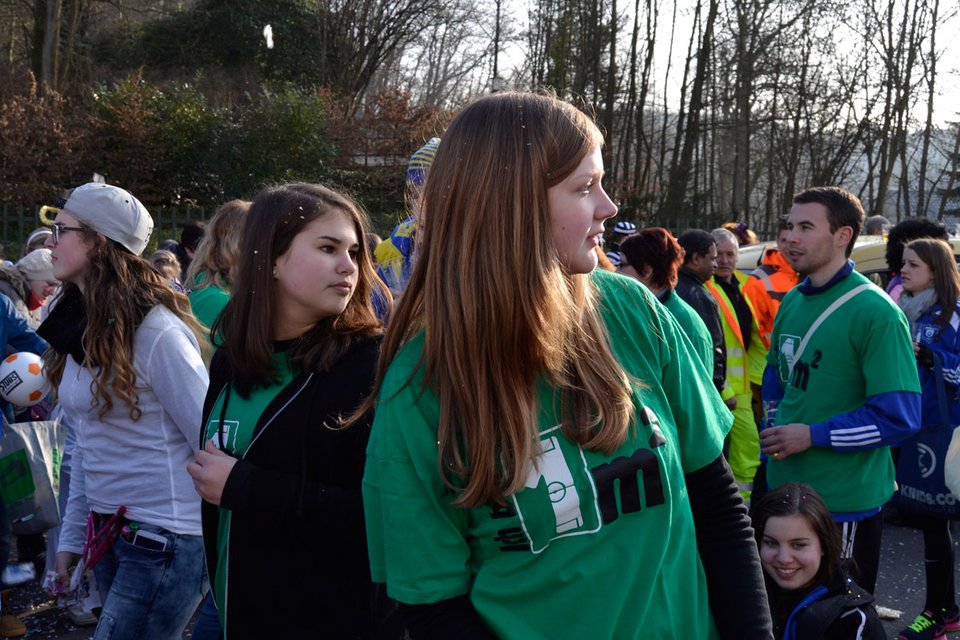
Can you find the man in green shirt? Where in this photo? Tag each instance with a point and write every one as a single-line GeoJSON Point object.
{"type": "Point", "coordinates": [841, 382]}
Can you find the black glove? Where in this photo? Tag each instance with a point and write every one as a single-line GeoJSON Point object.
{"type": "Point", "coordinates": [924, 356]}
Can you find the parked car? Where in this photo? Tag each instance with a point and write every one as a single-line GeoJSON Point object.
{"type": "Point", "coordinates": [868, 254]}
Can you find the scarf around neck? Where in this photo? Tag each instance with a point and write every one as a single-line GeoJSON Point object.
{"type": "Point", "coordinates": [63, 329]}
{"type": "Point", "coordinates": [916, 304]}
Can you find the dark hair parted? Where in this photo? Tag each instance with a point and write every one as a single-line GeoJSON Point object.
{"type": "Point", "coordinates": [938, 255]}
{"type": "Point", "coordinates": [695, 242]}
{"type": "Point", "coordinates": [247, 323]}
{"type": "Point", "coordinates": [843, 209]}
{"type": "Point", "coordinates": [907, 230]}
{"type": "Point", "coordinates": [800, 499]}
{"type": "Point", "coordinates": [119, 290]}
{"type": "Point", "coordinates": [655, 248]}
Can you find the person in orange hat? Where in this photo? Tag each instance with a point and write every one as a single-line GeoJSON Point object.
{"type": "Point", "coordinates": [769, 282]}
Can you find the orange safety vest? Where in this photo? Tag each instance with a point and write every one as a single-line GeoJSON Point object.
{"type": "Point", "coordinates": [743, 365]}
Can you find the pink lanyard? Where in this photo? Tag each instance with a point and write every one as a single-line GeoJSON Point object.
{"type": "Point", "coordinates": [99, 541]}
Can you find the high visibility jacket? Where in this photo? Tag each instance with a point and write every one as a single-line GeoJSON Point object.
{"type": "Point", "coordinates": [745, 360]}
{"type": "Point", "coordinates": [766, 287]}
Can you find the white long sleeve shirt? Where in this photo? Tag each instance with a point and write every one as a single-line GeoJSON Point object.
{"type": "Point", "coordinates": [139, 464]}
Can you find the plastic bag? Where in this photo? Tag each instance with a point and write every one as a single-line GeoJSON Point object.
{"type": "Point", "coordinates": [30, 456]}
{"type": "Point", "coordinates": [951, 464]}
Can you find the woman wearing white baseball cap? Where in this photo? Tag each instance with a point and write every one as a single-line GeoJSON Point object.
{"type": "Point", "coordinates": [125, 358]}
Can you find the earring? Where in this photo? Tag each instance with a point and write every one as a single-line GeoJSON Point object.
{"type": "Point", "coordinates": [274, 271]}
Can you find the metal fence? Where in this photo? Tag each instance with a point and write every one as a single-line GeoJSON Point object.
{"type": "Point", "coordinates": [16, 223]}
{"type": "Point", "coordinates": [678, 224]}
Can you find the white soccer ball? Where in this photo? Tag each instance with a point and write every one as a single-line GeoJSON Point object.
{"type": "Point", "coordinates": [23, 382]}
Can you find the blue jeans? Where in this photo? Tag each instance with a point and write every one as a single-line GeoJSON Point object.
{"type": "Point", "coordinates": [148, 594]}
{"type": "Point", "coordinates": [6, 538]}
{"type": "Point", "coordinates": [207, 626]}
{"type": "Point", "coordinates": [66, 464]}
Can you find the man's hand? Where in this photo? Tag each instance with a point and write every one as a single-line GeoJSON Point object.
{"type": "Point", "coordinates": [785, 440]}
{"type": "Point", "coordinates": [210, 470]}
{"type": "Point", "coordinates": [731, 402]}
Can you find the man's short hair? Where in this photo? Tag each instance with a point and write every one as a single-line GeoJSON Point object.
{"type": "Point", "coordinates": [695, 242]}
{"type": "Point", "coordinates": [843, 209]}
{"type": "Point", "coordinates": [720, 235]}
{"type": "Point", "coordinates": [875, 225]}
{"type": "Point", "coordinates": [783, 224]}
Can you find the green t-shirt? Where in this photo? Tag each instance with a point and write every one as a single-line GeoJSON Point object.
{"type": "Point", "coordinates": [207, 303]}
{"type": "Point", "coordinates": [597, 545]}
{"type": "Point", "coordinates": [861, 350]}
{"type": "Point", "coordinates": [240, 421]}
{"type": "Point", "coordinates": [694, 328]}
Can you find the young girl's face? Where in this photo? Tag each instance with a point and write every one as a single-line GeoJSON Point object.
{"type": "Point", "coordinates": [578, 207]}
{"type": "Point", "coordinates": [916, 274]}
{"type": "Point", "coordinates": [316, 277]}
{"type": "Point", "coordinates": [71, 255]}
{"type": "Point", "coordinates": [790, 551]}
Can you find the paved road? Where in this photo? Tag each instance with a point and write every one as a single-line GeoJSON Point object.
{"type": "Point", "coordinates": [900, 586]}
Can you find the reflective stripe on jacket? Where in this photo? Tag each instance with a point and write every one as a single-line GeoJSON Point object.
{"type": "Point", "coordinates": [745, 361]}
{"type": "Point", "coordinates": [765, 288]}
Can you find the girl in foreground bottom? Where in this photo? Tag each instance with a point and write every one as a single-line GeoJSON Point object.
{"type": "Point", "coordinates": [811, 596]}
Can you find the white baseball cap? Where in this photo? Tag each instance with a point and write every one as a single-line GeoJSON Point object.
{"type": "Point", "coordinates": [113, 212]}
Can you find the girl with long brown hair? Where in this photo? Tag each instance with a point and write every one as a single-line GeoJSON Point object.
{"type": "Point", "coordinates": [931, 289]}
{"type": "Point", "coordinates": [546, 453]}
{"type": "Point", "coordinates": [278, 472]}
{"type": "Point", "coordinates": [210, 272]}
{"type": "Point", "coordinates": [126, 362]}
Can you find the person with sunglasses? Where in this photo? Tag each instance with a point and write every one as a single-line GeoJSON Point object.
{"type": "Point", "coordinates": [125, 359]}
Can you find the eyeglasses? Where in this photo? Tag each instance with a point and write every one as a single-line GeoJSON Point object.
{"type": "Point", "coordinates": [58, 229]}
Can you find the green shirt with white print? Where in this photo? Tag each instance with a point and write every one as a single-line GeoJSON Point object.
{"type": "Point", "coordinates": [595, 545]}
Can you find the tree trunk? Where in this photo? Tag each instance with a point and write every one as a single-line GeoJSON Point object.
{"type": "Point", "coordinates": [680, 175]}
{"type": "Point", "coordinates": [952, 175]}
{"type": "Point", "coordinates": [627, 143]}
{"type": "Point", "coordinates": [611, 90]}
{"type": "Point", "coordinates": [931, 65]}
{"type": "Point", "coordinates": [51, 41]}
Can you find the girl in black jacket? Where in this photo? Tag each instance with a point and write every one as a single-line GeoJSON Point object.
{"type": "Point", "coordinates": [278, 472]}
{"type": "Point", "coordinates": [811, 597]}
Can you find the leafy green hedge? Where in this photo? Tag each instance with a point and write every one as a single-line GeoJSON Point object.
{"type": "Point", "coordinates": [171, 146]}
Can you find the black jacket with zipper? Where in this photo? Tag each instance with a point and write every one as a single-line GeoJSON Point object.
{"type": "Point", "coordinates": [690, 287]}
{"type": "Point", "coordinates": [844, 612]}
{"type": "Point", "coordinates": [298, 564]}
